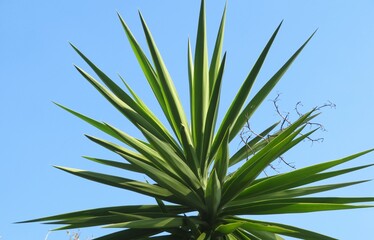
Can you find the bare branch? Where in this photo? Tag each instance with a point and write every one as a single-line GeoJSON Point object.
{"type": "Point", "coordinates": [286, 117]}
{"type": "Point", "coordinates": [248, 133]}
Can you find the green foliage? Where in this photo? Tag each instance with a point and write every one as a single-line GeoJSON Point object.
{"type": "Point", "coordinates": [196, 197]}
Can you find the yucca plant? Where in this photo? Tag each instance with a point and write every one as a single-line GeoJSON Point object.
{"type": "Point", "coordinates": [197, 195]}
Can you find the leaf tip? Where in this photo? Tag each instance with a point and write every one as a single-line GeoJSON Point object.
{"type": "Point", "coordinates": [58, 167]}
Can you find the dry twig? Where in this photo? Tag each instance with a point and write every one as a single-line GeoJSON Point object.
{"type": "Point", "coordinates": [248, 133]}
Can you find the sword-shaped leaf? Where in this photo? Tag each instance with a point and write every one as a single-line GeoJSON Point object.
{"type": "Point", "coordinates": [182, 192]}
{"type": "Point", "coordinates": [213, 195]}
{"type": "Point", "coordinates": [122, 107]}
{"type": "Point", "coordinates": [156, 223]}
{"type": "Point", "coordinates": [190, 153]}
{"type": "Point", "coordinates": [131, 234]}
{"type": "Point", "coordinates": [262, 235]}
{"type": "Point", "coordinates": [174, 108]}
{"type": "Point", "coordinates": [211, 117]}
{"type": "Point", "coordinates": [142, 110]}
{"type": "Point", "coordinates": [234, 109]}
{"type": "Point", "coordinates": [243, 235]}
{"type": "Point", "coordinates": [147, 68]}
{"type": "Point", "coordinates": [200, 90]}
{"type": "Point", "coordinates": [290, 179]}
{"type": "Point", "coordinates": [296, 205]}
{"type": "Point", "coordinates": [221, 163]}
{"type": "Point", "coordinates": [215, 63]}
{"type": "Point", "coordinates": [127, 153]}
{"type": "Point", "coordinates": [174, 161]}
{"type": "Point", "coordinates": [289, 193]}
{"type": "Point", "coordinates": [119, 182]}
{"type": "Point", "coordinates": [102, 212]}
{"type": "Point", "coordinates": [191, 85]}
{"type": "Point", "coordinates": [263, 93]}
{"type": "Point", "coordinates": [229, 227]}
{"type": "Point", "coordinates": [99, 125]}
{"type": "Point", "coordinates": [282, 229]}
{"type": "Point", "coordinates": [124, 166]}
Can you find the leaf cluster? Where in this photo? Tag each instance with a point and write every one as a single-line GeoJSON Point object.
{"type": "Point", "coordinates": [196, 196]}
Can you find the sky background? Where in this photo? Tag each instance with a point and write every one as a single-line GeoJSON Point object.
{"type": "Point", "coordinates": [36, 69]}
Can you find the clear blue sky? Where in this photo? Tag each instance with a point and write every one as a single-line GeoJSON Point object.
{"type": "Point", "coordinates": [36, 69]}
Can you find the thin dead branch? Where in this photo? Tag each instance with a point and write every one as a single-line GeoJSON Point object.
{"type": "Point", "coordinates": [247, 133]}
